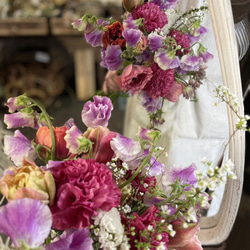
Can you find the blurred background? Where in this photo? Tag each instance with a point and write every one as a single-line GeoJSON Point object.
{"type": "Point", "coordinates": [43, 56]}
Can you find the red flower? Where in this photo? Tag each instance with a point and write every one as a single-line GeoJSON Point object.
{"type": "Point", "coordinates": [101, 137]}
{"type": "Point", "coordinates": [43, 137]}
{"type": "Point", "coordinates": [140, 223]}
{"type": "Point", "coordinates": [161, 82]}
{"type": "Point", "coordinates": [83, 186]}
{"type": "Point", "coordinates": [113, 35]}
{"type": "Point", "coordinates": [181, 39]}
{"type": "Point", "coordinates": [144, 184]}
{"type": "Point", "coordinates": [134, 78]}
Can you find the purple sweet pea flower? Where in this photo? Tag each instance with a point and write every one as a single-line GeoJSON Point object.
{"type": "Point", "coordinates": [126, 149]}
{"type": "Point", "coordinates": [184, 175]}
{"type": "Point", "coordinates": [191, 63]}
{"type": "Point", "coordinates": [196, 35]}
{"type": "Point", "coordinates": [166, 60]}
{"type": "Point", "coordinates": [72, 138]}
{"type": "Point", "coordinates": [94, 38]}
{"type": "Point", "coordinates": [19, 119]}
{"type": "Point", "coordinates": [76, 142]}
{"type": "Point", "coordinates": [155, 41]}
{"type": "Point", "coordinates": [155, 168]}
{"type": "Point", "coordinates": [26, 221]}
{"type": "Point", "coordinates": [97, 113]}
{"type": "Point", "coordinates": [129, 23]}
{"type": "Point", "coordinates": [132, 36]}
{"type": "Point", "coordinates": [13, 104]}
{"type": "Point", "coordinates": [149, 135]}
{"type": "Point", "coordinates": [166, 4]}
{"type": "Point", "coordinates": [206, 56]}
{"type": "Point", "coordinates": [151, 105]}
{"type": "Point", "coordinates": [73, 239]}
{"type": "Point", "coordinates": [111, 57]}
{"type": "Point", "coordinates": [17, 147]}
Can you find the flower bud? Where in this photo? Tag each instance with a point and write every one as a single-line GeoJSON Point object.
{"type": "Point", "coordinates": [129, 5]}
{"type": "Point", "coordinates": [43, 138]}
{"type": "Point", "coordinates": [100, 137]}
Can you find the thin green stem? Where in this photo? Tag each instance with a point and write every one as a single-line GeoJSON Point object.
{"type": "Point", "coordinates": [48, 122]}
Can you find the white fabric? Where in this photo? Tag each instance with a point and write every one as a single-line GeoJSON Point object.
{"type": "Point", "coordinates": [191, 130]}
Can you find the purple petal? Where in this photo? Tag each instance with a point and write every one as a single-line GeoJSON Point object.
{"type": "Point", "coordinates": [18, 120]}
{"type": "Point", "coordinates": [94, 38]}
{"type": "Point", "coordinates": [26, 220]}
{"type": "Point", "coordinates": [184, 175]}
{"type": "Point", "coordinates": [17, 147]}
{"type": "Point", "coordinates": [191, 63]}
{"type": "Point", "coordinates": [126, 149]}
{"type": "Point", "coordinates": [72, 137]}
{"type": "Point", "coordinates": [166, 60]}
{"type": "Point", "coordinates": [12, 104]}
{"type": "Point", "coordinates": [129, 23]}
{"type": "Point", "coordinates": [111, 58]}
{"type": "Point", "coordinates": [73, 239]}
{"type": "Point", "coordinates": [155, 41]}
{"type": "Point", "coordinates": [52, 164]}
{"type": "Point", "coordinates": [76, 142]}
{"type": "Point", "coordinates": [166, 4]}
{"type": "Point", "coordinates": [70, 123]}
{"type": "Point", "coordinates": [206, 56]}
{"type": "Point", "coordinates": [151, 105]}
{"type": "Point", "coordinates": [156, 167]}
{"type": "Point", "coordinates": [132, 36]}
{"type": "Point", "coordinates": [98, 112]}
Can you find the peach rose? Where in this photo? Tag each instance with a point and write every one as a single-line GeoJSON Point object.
{"type": "Point", "coordinates": [28, 181]}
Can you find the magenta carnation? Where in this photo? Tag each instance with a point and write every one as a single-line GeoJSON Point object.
{"type": "Point", "coordinates": [182, 40]}
{"type": "Point", "coordinates": [161, 82]}
{"type": "Point", "coordinates": [83, 186]}
{"type": "Point", "coordinates": [153, 15]}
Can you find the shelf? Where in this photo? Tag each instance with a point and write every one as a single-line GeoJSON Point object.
{"type": "Point", "coordinates": [24, 27]}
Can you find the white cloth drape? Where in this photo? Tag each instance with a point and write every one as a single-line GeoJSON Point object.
{"type": "Point", "coordinates": [191, 130]}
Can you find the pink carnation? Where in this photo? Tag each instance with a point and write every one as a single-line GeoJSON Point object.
{"type": "Point", "coordinates": [153, 15]}
{"type": "Point", "coordinates": [83, 186]}
{"type": "Point", "coordinates": [182, 40]}
{"type": "Point", "coordinates": [141, 222]}
{"type": "Point", "coordinates": [160, 83]}
{"type": "Point", "coordinates": [134, 78]}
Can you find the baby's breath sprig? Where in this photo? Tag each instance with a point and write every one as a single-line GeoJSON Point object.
{"type": "Point", "coordinates": [215, 175]}
{"type": "Point", "coordinates": [223, 94]}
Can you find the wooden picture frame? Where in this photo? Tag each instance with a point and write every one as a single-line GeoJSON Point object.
{"type": "Point", "coordinates": [216, 229]}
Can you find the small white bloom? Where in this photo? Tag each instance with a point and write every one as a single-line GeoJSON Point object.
{"type": "Point", "coordinates": [172, 233]}
{"type": "Point", "coordinates": [165, 154]}
{"type": "Point", "coordinates": [161, 246]}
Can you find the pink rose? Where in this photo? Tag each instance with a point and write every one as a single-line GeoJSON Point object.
{"type": "Point", "coordinates": [101, 137]}
{"type": "Point", "coordinates": [175, 91]}
{"type": "Point", "coordinates": [134, 78]}
{"type": "Point", "coordinates": [83, 186]}
{"type": "Point", "coordinates": [185, 238]}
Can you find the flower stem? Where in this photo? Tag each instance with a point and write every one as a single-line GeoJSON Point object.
{"type": "Point", "coordinates": [46, 117]}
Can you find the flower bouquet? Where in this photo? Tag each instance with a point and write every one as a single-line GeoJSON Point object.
{"type": "Point", "coordinates": [96, 189]}
{"type": "Point", "coordinates": [156, 51]}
